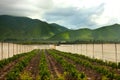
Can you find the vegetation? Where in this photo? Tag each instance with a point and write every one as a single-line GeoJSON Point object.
{"type": "Point", "coordinates": [88, 63]}
{"type": "Point", "coordinates": [14, 73]}
{"type": "Point", "coordinates": [69, 70]}
{"type": "Point", "coordinates": [43, 67]}
{"type": "Point", "coordinates": [6, 61]}
{"type": "Point", "coordinates": [107, 34]}
{"type": "Point", "coordinates": [25, 76]}
{"type": "Point", "coordinates": [26, 30]}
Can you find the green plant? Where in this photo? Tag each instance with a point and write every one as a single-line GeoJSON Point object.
{"type": "Point", "coordinates": [25, 76]}
{"type": "Point", "coordinates": [70, 71]}
{"type": "Point", "coordinates": [43, 67]}
{"type": "Point", "coordinates": [89, 63]}
{"type": "Point", "coordinates": [14, 73]}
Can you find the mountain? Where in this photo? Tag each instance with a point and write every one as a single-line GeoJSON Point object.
{"type": "Point", "coordinates": [59, 27]}
{"type": "Point", "coordinates": [22, 28]}
{"type": "Point", "coordinates": [25, 29]}
{"type": "Point", "coordinates": [72, 35]}
{"type": "Point", "coordinates": [106, 33]}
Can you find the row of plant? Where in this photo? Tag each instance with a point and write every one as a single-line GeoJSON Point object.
{"type": "Point", "coordinates": [98, 61]}
{"type": "Point", "coordinates": [70, 71]}
{"type": "Point", "coordinates": [86, 63]}
{"type": "Point", "coordinates": [43, 68]}
{"type": "Point", "coordinates": [15, 72]}
{"type": "Point", "coordinates": [11, 59]}
{"type": "Point", "coordinates": [28, 73]}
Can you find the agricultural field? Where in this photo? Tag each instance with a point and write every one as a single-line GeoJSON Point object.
{"type": "Point", "coordinates": [52, 64]}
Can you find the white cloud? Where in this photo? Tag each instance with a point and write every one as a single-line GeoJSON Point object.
{"type": "Point", "coordinates": [38, 8]}
{"type": "Point", "coordinates": [111, 13]}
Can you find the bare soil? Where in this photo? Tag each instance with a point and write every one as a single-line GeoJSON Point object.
{"type": "Point", "coordinates": [54, 67]}
{"type": "Point", "coordinates": [33, 66]}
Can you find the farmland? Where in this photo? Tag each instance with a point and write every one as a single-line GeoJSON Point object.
{"type": "Point", "coordinates": [52, 64]}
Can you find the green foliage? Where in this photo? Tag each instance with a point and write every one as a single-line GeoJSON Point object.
{"type": "Point", "coordinates": [103, 34]}
{"type": "Point", "coordinates": [88, 62]}
{"type": "Point", "coordinates": [25, 29]}
{"type": "Point", "coordinates": [70, 71]}
{"type": "Point", "coordinates": [119, 65]}
{"type": "Point", "coordinates": [28, 30]}
{"type": "Point", "coordinates": [8, 60]}
{"type": "Point", "coordinates": [14, 73]}
{"type": "Point", "coordinates": [43, 67]}
{"type": "Point", "coordinates": [25, 76]}
{"type": "Point", "coordinates": [104, 78]}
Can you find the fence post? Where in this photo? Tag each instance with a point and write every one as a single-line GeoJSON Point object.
{"type": "Point", "coordinates": [102, 53]}
{"type": "Point", "coordinates": [16, 48]}
{"type": "Point", "coordinates": [86, 49]}
{"type": "Point", "coordinates": [13, 48]}
{"type": "Point", "coordinates": [78, 48]}
{"type": "Point", "coordinates": [8, 50]}
{"type": "Point", "coordinates": [81, 48]}
{"type": "Point", "coordinates": [93, 50]}
{"type": "Point", "coordinates": [116, 53]}
{"type": "Point", "coordinates": [1, 50]}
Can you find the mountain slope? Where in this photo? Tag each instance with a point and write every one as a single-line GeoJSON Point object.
{"type": "Point", "coordinates": [23, 28]}
{"type": "Point", "coordinates": [107, 33]}
{"type": "Point", "coordinates": [72, 35]}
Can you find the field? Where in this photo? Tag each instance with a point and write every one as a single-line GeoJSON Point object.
{"type": "Point", "coordinates": [109, 52]}
{"type": "Point", "coordinates": [56, 65]}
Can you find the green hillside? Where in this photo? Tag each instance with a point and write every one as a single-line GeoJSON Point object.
{"type": "Point", "coordinates": [72, 35]}
{"type": "Point", "coordinates": [107, 33]}
{"type": "Point", "coordinates": [22, 28]}
{"type": "Point", "coordinates": [25, 29]}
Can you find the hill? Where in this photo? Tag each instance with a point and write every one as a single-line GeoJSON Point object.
{"type": "Point", "coordinates": [22, 28]}
{"type": "Point", "coordinates": [106, 33]}
{"type": "Point", "coordinates": [32, 30]}
{"type": "Point", "coordinates": [72, 35]}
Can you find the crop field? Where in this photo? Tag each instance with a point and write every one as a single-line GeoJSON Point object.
{"type": "Point", "coordinates": [109, 52]}
{"type": "Point", "coordinates": [56, 65]}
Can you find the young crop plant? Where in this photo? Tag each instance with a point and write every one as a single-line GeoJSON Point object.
{"type": "Point", "coordinates": [7, 61]}
{"type": "Point", "coordinates": [15, 72]}
{"type": "Point", "coordinates": [70, 71]}
{"type": "Point", "coordinates": [43, 68]}
{"type": "Point", "coordinates": [86, 63]}
{"type": "Point", "coordinates": [25, 76]}
{"type": "Point", "coordinates": [98, 61]}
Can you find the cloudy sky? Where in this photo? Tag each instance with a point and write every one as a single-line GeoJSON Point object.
{"type": "Point", "coordinates": [69, 13]}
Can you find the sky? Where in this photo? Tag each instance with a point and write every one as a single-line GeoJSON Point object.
{"type": "Point", "coordinates": [73, 14]}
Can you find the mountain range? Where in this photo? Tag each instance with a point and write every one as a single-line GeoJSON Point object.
{"type": "Point", "coordinates": [25, 29]}
{"type": "Point", "coordinates": [106, 33]}
{"type": "Point", "coordinates": [22, 28]}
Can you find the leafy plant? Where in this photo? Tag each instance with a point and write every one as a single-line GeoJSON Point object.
{"type": "Point", "coordinates": [70, 71]}
{"type": "Point", "coordinates": [43, 67]}
{"type": "Point", "coordinates": [14, 73]}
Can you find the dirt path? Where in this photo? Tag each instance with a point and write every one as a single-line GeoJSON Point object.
{"type": "Point", "coordinates": [91, 74]}
{"type": "Point", "coordinates": [33, 66]}
{"type": "Point", "coordinates": [8, 67]}
{"type": "Point", "coordinates": [55, 68]}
